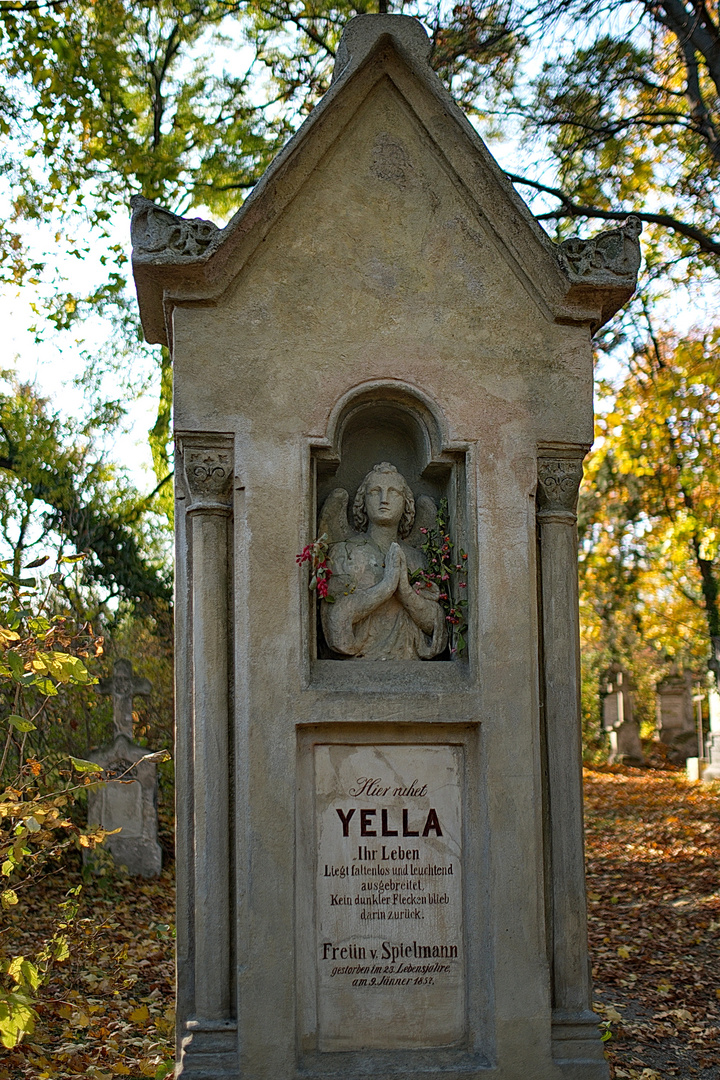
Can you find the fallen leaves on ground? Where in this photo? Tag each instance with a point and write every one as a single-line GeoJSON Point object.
{"type": "Point", "coordinates": [652, 845]}
{"type": "Point", "coordinates": [654, 919]}
{"type": "Point", "coordinates": [109, 1009]}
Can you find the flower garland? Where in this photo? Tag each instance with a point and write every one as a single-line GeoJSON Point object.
{"type": "Point", "coordinates": [449, 575]}
{"type": "Point", "coordinates": [316, 554]}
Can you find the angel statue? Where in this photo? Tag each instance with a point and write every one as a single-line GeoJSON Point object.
{"type": "Point", "coordinates": [372, 611]}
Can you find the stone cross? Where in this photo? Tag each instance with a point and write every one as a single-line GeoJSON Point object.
{"type": "Point", "coordinates": [123, 686]}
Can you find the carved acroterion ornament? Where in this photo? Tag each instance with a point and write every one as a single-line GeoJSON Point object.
{"type": "Point", "coordinates": [156, 231]}
{"type": "Point", "coordinates": [614, 252]}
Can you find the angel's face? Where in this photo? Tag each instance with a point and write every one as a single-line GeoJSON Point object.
{"type": "Point", "coordinates": [384, 500]}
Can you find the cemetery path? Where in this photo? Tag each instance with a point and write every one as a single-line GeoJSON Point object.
{"type": "Point", "coordinates": [652, 846]}
{"type": "Point", "coordinates": [654, 892]}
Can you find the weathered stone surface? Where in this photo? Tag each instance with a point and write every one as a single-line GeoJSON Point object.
{"type": "Point", "coordinates": [388, 897]}
{"type": "Point", "coordinates": [382, 296]}
{"type": "Point", "coordinates": [372, 611]}
{"type": "Point", "coordinates": [675, 717]}
{"type": "Point", "coordinates": [123, 685]}
{"type": "Point", "coordinates": [619, 717]}
{"type": "Point", "coordinates": [128, 800]}
{"type": "Point", "coordinates": [712, 742]}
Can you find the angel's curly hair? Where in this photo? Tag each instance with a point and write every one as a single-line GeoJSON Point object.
{"type": "Point", "coordinates": [360, 517]}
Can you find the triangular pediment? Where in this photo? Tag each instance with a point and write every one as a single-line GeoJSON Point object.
{"type": "Point", "coordinates": [423, 148]}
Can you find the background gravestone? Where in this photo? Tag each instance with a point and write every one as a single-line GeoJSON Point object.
{"type": "Point", "coordinates": [712, 742]}
{"type": "Point", "coordinates": [618, 717]}
{"type": "Point", "coordinates": [379, 839]}
{"type": "Point", "coordinates": [129, 804]}
{"type": "Point", "coordinates": [675, 716]}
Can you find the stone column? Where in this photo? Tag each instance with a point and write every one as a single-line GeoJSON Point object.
{"type": "Point", "coordinates": [208, 465]}
{"type": "Point", "coordinates": [575, 1033]}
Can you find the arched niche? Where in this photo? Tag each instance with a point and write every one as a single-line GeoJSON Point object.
{"type": "Point", "coordinates": [386, 421]}
{"type": "Point", "coordinates": [390, 421]}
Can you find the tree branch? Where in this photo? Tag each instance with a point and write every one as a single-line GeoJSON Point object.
{"type": "Point", "coordinates": [572, 209]}
{"type": "Point", "coordinates": [687, 26]}
{"type": "Point", "coordinates": [698, 109]}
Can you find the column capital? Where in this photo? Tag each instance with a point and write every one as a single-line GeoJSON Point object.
{"type": "Point", "coordinates": [207, 459]}
{"type": "Point", "coordinates": [558, 485]}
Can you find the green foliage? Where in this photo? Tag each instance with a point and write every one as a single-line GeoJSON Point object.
{"type": "Point", "coordinates": [56, 489]}
{"type": "Point", "coordinates": [40, 655]}
{"type": "Point", "coordinates": [650, 520]}
{"type": "Point", "coordinates": [447, 575]}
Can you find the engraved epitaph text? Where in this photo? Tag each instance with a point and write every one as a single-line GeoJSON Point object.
{"type": "Point", "coordinates": [389, 931]}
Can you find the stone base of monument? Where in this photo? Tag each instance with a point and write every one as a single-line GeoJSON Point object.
{"type": "Point", "coordinates": [712, 768]}
{"type": "Point", "coordinates": [128, 803]}
{"type": "Point", "coordinates": [625, 745]}
{"type": "Point", "coordinates": [695, 768]}
{"type": "Point", "coordinates": [680, 747]}
{"type": "Point", "coordinates": [209, 1048]}
{"type": "Point", "coordinates": [576, 1049]}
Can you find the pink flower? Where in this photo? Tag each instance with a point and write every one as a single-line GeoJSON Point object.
{"type": "Point", "coordinates": [322, 588]}
{"type": "Point", "coordinates": [424, 532]}
{"type": "Point", "coordinates": [304, 556]}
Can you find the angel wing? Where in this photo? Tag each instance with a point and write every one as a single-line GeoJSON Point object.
{"type": "Point", "coordinates": [425, 518]}
{"type": "Point", "coordinates": [333, 519]}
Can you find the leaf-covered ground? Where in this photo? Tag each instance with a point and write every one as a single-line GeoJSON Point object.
{"type": "Point", "coordinates": [109, 1010]}
{"type": "Point", "coordinates": [652, 845]}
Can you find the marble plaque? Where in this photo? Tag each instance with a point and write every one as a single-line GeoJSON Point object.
{"type": "Point", "coordinates": [389, 897]}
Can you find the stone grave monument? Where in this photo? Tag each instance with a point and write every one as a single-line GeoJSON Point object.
{"type": "Point", "coordinates": [675, 716]}
{"type": "Point", "coordinates": [712, 742]}
{"type": "Point", "coordinates": [130, 803]}
{"type": "Point", "coordinates": [383, 369]}
{"type": "Point", "coordinates": [618, 719]}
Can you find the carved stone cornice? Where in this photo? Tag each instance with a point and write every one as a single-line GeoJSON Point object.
{"type": "Point", "coordinates": [558, 485]}
{"type": "Point", "coordinates": [159, 232]}
{"type": "Point", "coordinates": [208, 465]}
{"type": "Point", "coordinates": [612, 254]}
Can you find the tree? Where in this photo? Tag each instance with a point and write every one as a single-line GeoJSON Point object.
{"type": "Point", "coordinates": [650, 514]}
{"type": "Point", "coordinates": [56, 490]}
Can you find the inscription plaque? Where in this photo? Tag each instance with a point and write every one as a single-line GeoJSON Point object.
{"type": "Point", "coordinates": [389, 898]}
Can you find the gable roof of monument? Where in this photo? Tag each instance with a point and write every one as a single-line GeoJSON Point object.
{"type": "Point", "coordinates": [178, 260]}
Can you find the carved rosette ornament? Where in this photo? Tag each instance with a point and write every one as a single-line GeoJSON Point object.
{"type": "Point", "coordinates": [558, 486]}
{"type": "Point", "coordinates": [209, 474]}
